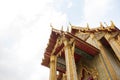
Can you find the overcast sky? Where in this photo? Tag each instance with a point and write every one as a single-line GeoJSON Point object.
{"type": "Point", "coordinates": [25, 30]}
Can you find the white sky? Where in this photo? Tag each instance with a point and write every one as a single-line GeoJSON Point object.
{"type": "Point", "coordinates": [25, 30]}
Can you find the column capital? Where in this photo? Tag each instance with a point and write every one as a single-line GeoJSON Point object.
{"type": "Point", "coordinates": [68, 42]}
{"type": "Point", "coordinates": [53, 58]}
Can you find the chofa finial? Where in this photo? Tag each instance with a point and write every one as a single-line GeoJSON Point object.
{"type": "Point", "coordinates": [51, 25]}
{"type": "Point", "coordinates": [70, 24]}
{"type": "Point", "coordinates": [62, 28]}
{"type": "Point", "coordinates": [101, 25]}
{"type": "Point", "coordinates": [112, 25]}
{"type": "Point", "coordinates": [87, 26]}
{"type": "Point", "coordinates": [67, 28]}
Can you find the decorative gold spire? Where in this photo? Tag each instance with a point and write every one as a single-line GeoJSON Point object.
{"type": "Point", "coordinates": [70, 24]}
{"type": "Point", "coordinates": [67, 28]}
{"type": "Point", "coordinates": [51, 25]}
{"type": "Point", "coordinates": [87, 28]}
{"type": "Point", "coordinates": [62, 28]}
{"type": "Point", "coordinates": [101, 26]}
{"type": "Point", "coordinates": [112, 25]}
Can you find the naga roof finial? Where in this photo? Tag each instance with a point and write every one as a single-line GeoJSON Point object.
{"type": "Point", "coordinates": [70, 24]}
{"type": "Point", "coordinates": [62, 28]}
{"type": "Point", "coordinates": [101, 25]}
{"type": "Point", "coordinates": [112, 25]}
{"type": "Point", "coordinates": [87, 26]}
{"type": "Point", "coordinates": [51, 25]}
{"type": "Point", "coordinates": [67, 28]}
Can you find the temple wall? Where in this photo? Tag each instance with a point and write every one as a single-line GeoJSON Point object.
{"type": "Point", "coordinates": [96, 64]}
{"type": "Point", "coordinates": [99, 63]}
{"type": "Point", "coordinates": [114, 61]}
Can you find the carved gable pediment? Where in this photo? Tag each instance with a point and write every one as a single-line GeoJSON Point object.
{"type": "Point", "coordinates": [83, 36]}
{"type": "Point", "coordinates": [99, 35]}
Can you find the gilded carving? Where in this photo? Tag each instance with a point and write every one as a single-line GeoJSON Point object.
{"type": "Point", "coordinates": [83, 36]}
{"type": "Point", "coordinates": [99, 35]}
{"type": "Point", "coordinates": [64, 58]}
{"type": "Point", "coordinates": [88, 73]}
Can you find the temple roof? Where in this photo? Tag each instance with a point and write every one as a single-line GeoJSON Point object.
{"type": "Point", "coordinates": [82, 48]}
{"type": "Point", "coordinates": [111, 28]}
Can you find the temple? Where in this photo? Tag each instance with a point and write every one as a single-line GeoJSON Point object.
{"type": "Point", "coordinates": [83, 53]}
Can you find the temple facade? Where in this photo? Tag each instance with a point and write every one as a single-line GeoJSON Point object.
{"type": "Point", "coordinates": [83, 53]}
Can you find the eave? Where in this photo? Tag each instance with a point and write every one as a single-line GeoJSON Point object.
{"type": "Point", "coordinates": [79, 44]}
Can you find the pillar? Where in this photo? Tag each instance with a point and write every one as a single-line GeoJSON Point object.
{"type": "Point", "coordinates": [70, 63]}
{"type": "Point", "coordinates": [53, 67]}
